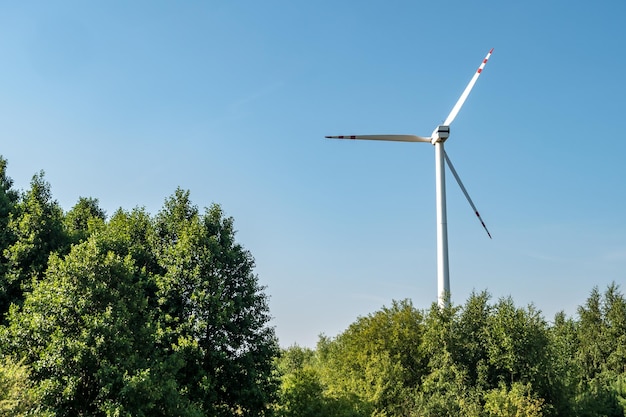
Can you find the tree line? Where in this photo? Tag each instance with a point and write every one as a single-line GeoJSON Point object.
{"type": "Point", "coordinates": [162, 315]}
{"type": "Point", "coordinates": [482, 358]}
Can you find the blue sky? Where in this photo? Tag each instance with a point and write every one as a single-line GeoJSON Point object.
{"type": "Point", "coordinates": [125, 101]}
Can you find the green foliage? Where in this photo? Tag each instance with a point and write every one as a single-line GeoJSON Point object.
{"type": "Point", "coordinates": [614, 312]}
{"type": "Point", "coordinates": [136, 316]}
{"type": "Point", "coordinates": [567, 373]}
{"type": "Point", "coordinates": [85, 329]}
{"type": "Point", "coordinates": [18, 397]}
{"type": "Point", "coordinates": [133, 233]}
{"type": "Point", "coordinates": [597, 398]}
{"type": "Point", "coordinates": [518, 401]}
{"type": "Point", "coordinates": [8, 199]}
{"type": "Point", "coordinates": [594, 347]}
{"type": "Point", "coordinates": [449, 385]}
{"type": "Point", "coordinates": [444, 391]}
{"type": "Point", "coordinates": [295, 358]}
{"type": "Point", "coordinates": [480, 359]}
{"type": "Point", "coordinates": [84, 219]}
{"type": "Point", "coordinates": [376, 358]}
{"type": "Point", "coordinates": [8, 196]}
{"type": "Point", "coordinates": [213, 310]}
{"type": "Point", "coordinates": [36, 226]}
{"type": "Point", "coordinates": [517, 345]}
{"type": "Point", "coordinates": [619, 387]}
{"type": "Point", "coordinates": [471, 349]}
{"type": "Point", "coordinates": [303, 394]}
{"type": "Point", "coordinates": [601, 354]}
{"type": "Point", "coordinates": [9, 290]}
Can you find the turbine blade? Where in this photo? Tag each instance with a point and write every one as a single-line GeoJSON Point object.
{"type": "Point", "coordinates": [458, 179]}
{"type": "Point", "coordinates": [459, 103]}
{"type": "Point", "coordinates": [394, 138]}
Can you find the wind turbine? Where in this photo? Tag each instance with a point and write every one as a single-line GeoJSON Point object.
{"type": "Point", "coordinates": [437, 138]}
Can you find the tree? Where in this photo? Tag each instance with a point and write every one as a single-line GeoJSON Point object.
{"type": "Point", "coordinates": [601, 353]}
{"type": "Point", "coordinates": [445, 390]}
{"type": "Point", "coordinates": [518, 401]}
{"type": "Point", "coordinates": [134, 233]}
{"type": "Point", "coordinates": [87, 334]}
{"type": "Point", "coordinates": [18, 397]}
{"type": "Point", "coordinates": [563, 348]}
{"type": "Point", "coordinates": [593, 346]}
{"type": "Point", "coordinates": [84, 219]}
{"type": "Point", "coordinates": [36, 227]}
{"type": "Point", "coordinates": [471, 351]}
{"type": "Point", "coordinates": [614, 311]}
{"type": "Point", "coordinates": [517, 343]}
{"type": "Point", "coordinates": [303, 394]}
{"type": "Point", "coordinates": [294, 359]}
{"type": "Point", "coordinates": [377, 359]}
{"type": "Point", "coordinates": [619, 386]}
{"type": "Point", "coordinates": [8, 200]}
{"type": "Point", "coordinates": [158, 317]}
{"type": "Point", "coordinates": [213, 312]}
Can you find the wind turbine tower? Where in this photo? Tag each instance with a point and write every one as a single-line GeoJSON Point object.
{"type": "Point", "coordinates": [437, 139]}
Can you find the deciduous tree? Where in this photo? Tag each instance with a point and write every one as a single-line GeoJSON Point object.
{"type": "Point", "coordinates": [213, 311]}
{"type": "Point", "coordinates": [85, 218]}
{"type": "Point", "coordinates": [8, 200]}
{"type": "Point", "coordinates": [36, 229]}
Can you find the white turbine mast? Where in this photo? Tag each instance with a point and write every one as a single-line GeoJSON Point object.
{"type": "Point", "coordinates": [437, 138]}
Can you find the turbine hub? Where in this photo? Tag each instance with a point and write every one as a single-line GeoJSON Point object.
{"type": "Point", "coordinates": [440, 134]}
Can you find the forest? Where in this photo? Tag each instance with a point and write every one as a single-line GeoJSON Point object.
{"type": "Point", "coordinates": [141, 314]}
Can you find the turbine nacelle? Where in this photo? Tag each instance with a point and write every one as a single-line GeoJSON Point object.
{"type": "Point", "coordinates": [440, 134]}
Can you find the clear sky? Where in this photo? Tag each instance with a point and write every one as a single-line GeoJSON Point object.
{"type": "Point", "coordinates": [125, 101]}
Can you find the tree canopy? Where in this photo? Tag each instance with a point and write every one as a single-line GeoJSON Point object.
{"type": "Point", "coordinates": [138, 315]}
{"type": "Point", "coordinates": [479, 359]}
